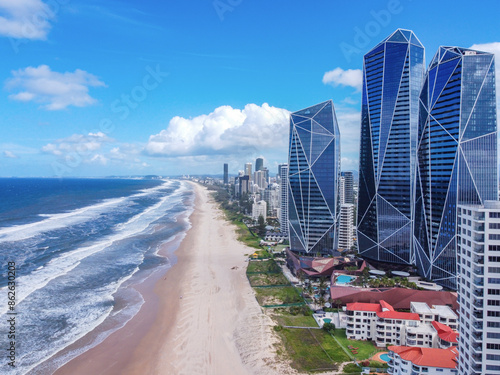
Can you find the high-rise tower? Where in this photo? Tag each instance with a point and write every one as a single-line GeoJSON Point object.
{"type": "Point", "coordinates": [457, 154]}
{"type": "Point", "coordinates": [393, 73]}
{"type": "Point", "coordinates": [314, 171]}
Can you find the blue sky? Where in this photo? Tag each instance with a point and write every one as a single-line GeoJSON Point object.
{"type": "Point", "coordinates": [93, 88]}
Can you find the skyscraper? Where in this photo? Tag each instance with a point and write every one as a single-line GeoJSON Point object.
{"type": "Point", "coordinates": [226, 174]}
{"type": "Point", "coordinates": [478, 255]}
{"type": "Point", "coordinates": [283, 169]}
{"type": "Point", "coordinates": [393, 73]}
{"type": "Point", "coordinates": [457, 153]}
{"type": "Point", "coordinates": [314, 171]}
{"type": "Point", "coordinates": [348, 187]}
{"type": "Point", "coordinates": [259, 164]}
{"type": "Point", "coordinates": [248, 170]}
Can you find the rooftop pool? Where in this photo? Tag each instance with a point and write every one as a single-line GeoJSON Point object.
{"type": "Point", "coordinates": [344, 279]}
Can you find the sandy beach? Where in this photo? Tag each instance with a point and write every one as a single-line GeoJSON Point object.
{"type": "Point", "coordinates": [201, 317]}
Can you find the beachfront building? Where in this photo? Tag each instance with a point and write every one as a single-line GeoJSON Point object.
{"type": "Point", "coordinates": [283, 212]}
{"type": "Point", "coordinates": [457, 154]}
{"type": "Point", "coordinates": [313, 178]}
{"type": "Point", "coordinates": [383, 325]}
{"type": "Point", "coordinates": [478, 268]}
{"type": "Point", "coordinates": [393, 73]}
{"type": "Point", "coordinates": [259, 209]}
{"type": "Point", "coordinates": [406, 360]}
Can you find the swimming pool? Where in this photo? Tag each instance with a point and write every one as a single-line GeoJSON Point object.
{"type": "Point", "coordinates": [385, 357]}
{"type": "Point", "coordinates": [327, 320]}
{"type": "Point", "coordinates": [344, 279]}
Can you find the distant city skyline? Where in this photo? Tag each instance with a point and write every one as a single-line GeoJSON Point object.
{"type": "Point", "coordinates": [155, 88]}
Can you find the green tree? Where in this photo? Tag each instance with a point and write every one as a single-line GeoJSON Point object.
{"type": "Point", "coordinates": [261, 226]}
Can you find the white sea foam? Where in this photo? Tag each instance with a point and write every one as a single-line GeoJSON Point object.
{"type": "Point", "coordinates": [61, 220]}
{"type": "Point", "coordinates": [66, 262]}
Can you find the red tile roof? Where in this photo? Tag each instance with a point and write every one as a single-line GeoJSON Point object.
{"type": "Point", "coordinates": [398, 315]}
{"type": "Point", "coordinates": [399, 298]}
{"type": "Point", "coordinates": [358, 306]}
{"type": "Point", "coordinates": [429, 357]}
{"type": "Point", "coordinates": [445, 333]}
{"type": "Point", "coordinates": [385, 305]}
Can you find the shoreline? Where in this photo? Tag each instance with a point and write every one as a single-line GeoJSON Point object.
{"type": "Point", "coordinates": [217, 327]}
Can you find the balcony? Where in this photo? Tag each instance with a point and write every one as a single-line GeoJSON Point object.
{"type": "Point", "coordinates": [478, 238]}
{"type": "Point", "coordinates": [380, 327]}
{"type": "Point", "coordinates": [478, 304]}
{"type": "Point", "coordinates": [478, 271]}
{"type": "Point", "coordinates": [478, 228]}
{"type": "Point", "coordinates": [411, 342]}
{"type": "Point", "coordinates": [478, 259]}
{"type": "Point", "coordinates": [390, 370]}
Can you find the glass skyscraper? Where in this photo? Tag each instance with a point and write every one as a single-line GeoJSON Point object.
{"type": "Point", "coordinates": [457, 154]}
{"type": "Point", "coordinates": [393, 73]}
{"type": "Point", "coordinates": [313, 178]}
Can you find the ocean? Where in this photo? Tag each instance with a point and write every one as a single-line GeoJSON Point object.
{"type": "Point", "coordinates": [78, 246]}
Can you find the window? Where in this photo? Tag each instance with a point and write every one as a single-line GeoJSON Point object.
{"type": "Point", "coordinates": [494, 259]}
{"type": "Point", "coordinates": [493, 357]}
{"type": "Point", "coordinates": [494, 215]}
{"type": "Point", "coordinates": [493, 346]}
{"type": "Point", "coordinates": [493, 302]}
{"type": "Point", "coordinates": [494, 269]}
{"type": "Point", "coordinates": [494, 236]}
{"type": "Point", "coordinates": [494, 225]}
{"type": "Point", "coordinates": [494, 324]}
{"type": "Point", "coordinates": [493, 335]}
{"type": "Point", "coordinates": [494, 313]}
{"type": "Point", "coordinates": [493, 280]}
{"type": "Point", "coordinates": [494, 292]}
{"type": "Point", "coordinates": [494, 247]}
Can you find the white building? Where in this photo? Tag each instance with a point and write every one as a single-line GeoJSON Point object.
{"type": "Point", "coordinates": [346, 226]}
{"type": "Point", "coordinates": [384, 326]}
{"type": "Point", "coordinates": [259, 209]}
{"type": "Point", "coordinates": [478, 270]}
{"type": "Point", "coordinates": [406, 360]}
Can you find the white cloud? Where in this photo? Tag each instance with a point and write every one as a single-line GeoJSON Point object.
{"type": "Point", "coordinates": [225, 131]}
{"type": "Point", "coordinates": [53, 90]}
{"type": "Point", "coordinates": [77, 143]}
{"type": "Point", "coordinates": [25, 19]}
{"type": "Point", "coordinates": [349, 77]}
{"type": "Point", "coordinates": [10, 155]}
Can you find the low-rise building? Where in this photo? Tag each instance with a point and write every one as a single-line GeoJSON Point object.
{"type": "Point", "coordinates": [406, 360]}
{"type": "Point", "coordinates": [380, 323]}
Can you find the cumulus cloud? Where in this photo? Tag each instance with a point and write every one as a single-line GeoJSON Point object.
{"type": "Point", "coordinates": [225, 131]}
{"type": "Point", "coordinates": [53, 90]}
{"type": "Point", "coordinates": [10, 155]}
{"type": "Point", "coordinates": [339, 76]}
{"type": "Point", "coordinates": [25, 19]}
{"type": "Point", "coordinates": [77, 143]}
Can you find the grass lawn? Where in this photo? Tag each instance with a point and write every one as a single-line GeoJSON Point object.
{"type": "Point", "coordinates": [263, 266]}
{"type": "Point", "coordinates": [284, 318]}
{"type": "Point", "coordinates": [306, 354]}
{"type": "Point", "coordinates": [278, 295]}
{"type": "Point", "coordinates": [262, 279]}
{"type": "Point", "coordinates": [365, 348]}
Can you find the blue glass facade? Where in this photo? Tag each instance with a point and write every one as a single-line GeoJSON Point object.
{"type": "Point", "coordinates": [313, 178]}
{"type": "Point", "coordinates": [393, 73]}
{"type": "Point", "coordinates": [457, 154]}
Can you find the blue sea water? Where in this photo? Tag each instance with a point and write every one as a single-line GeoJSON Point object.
{"type": "Point", "coordinates": [79, 245]}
